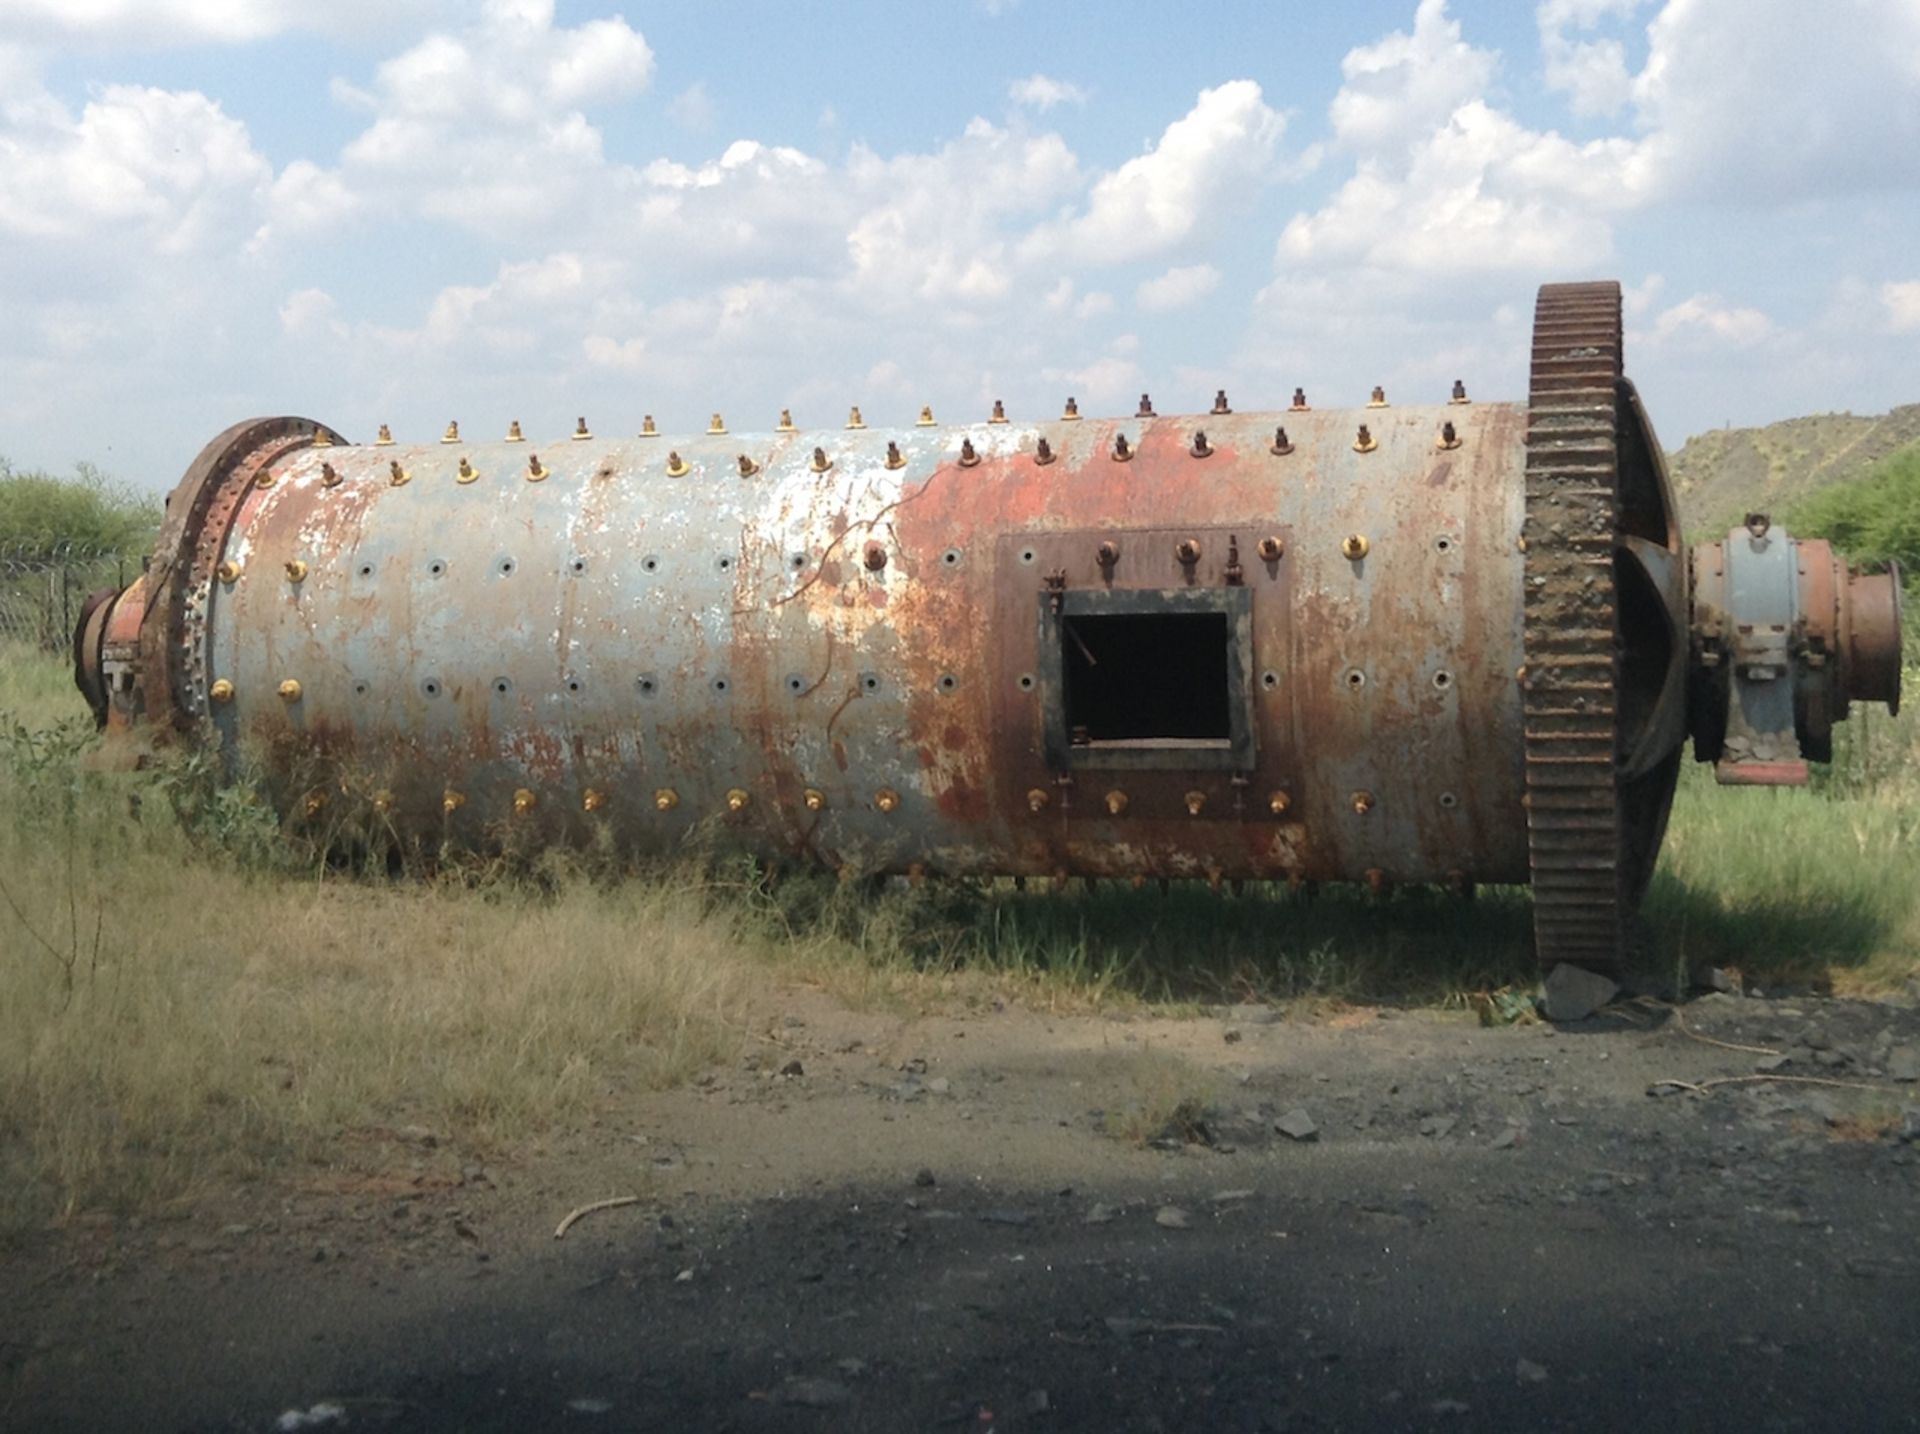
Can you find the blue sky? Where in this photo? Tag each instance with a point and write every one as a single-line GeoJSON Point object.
{"type": "Point", "coordinates": [406, 211]}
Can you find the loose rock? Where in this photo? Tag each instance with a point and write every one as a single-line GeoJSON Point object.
{"type": "Point", "coordinates": [1172, 1217]}
{"type": "Point", "coordinates": [1573, 993]}
{"type": "Point", "coordinates": [1903, 1063]}
{"type": "Point", "coordinates": [1296, 1124]}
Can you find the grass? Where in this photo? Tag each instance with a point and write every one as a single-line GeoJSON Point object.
{"type": "Point", "coordinates": [185, 1000]}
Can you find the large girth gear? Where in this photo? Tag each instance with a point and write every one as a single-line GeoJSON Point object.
{"type": "Point", "coordinates": [1606, 590]}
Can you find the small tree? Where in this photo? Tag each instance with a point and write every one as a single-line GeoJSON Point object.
{"type": "Point", "coordinates": [1872, 519]}
{"type": "Point", "coordinates": [43, 517]}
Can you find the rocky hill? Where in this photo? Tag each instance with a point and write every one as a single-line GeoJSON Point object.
{"type": "Point", "coordinates": [1721, 475]}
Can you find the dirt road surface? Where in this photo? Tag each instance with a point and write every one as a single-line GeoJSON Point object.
{"type": "Point", "coordinates": [1009, 1220]}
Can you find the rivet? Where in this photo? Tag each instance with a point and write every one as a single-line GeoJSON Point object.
{"type": "Point", "coordinates": [999, 414]}
{"type": "Point", "coordinates": [315, 803]}
{"type": "Point", "coordinates": [748, 467]}
{"type": "Point", "coordinates": [398, 476]}
{"type": "Point", "coordinates": [666, 799]}
{"type": "Point", "coordinates": [886, 799]}
{"type": "Point", "coordinates": [854, 420]}
{"type": "Point", "coordinates": [451, 801]}
{"type": "Point", "coordinates": [384, 439]}
{"type": "Point", "coordinates": [221, 691]}
{"type": "Point", "coordinates": [467, 473]}
{"type": "Point", "coordinates": [1196, 803]}
{"type": "Point", "coordinates": [1272, 550]}
{"type": "Point", "coordinates": [1220, 401]}
{"type": "Point", "coordinates": [290, 690]}
{"type": "Point", "coordinates": [580, 431]}
{"type": "Point", "coordinates": [1520, 674]}
{"type": "Point", "coordinates": [1364, 442]}
{"type": "Point", "coordinates": [1071, 414]}
{"type": "Point", "coordinates": [592, 799]}
{"type": "Point", "coordinates": [1121, 452]}
{"type": "Point", "coordinates": [1281, 446]}
{"type": "Point", "coordinates": [716, 424]}
{"type": "Point", "coordinates": [329, 478]}
{"type": "Point", "coordinates": [814, 799]}
{"type": "Point", "coordinates": [1362, 803]}
{"type": "Point", "coordinates": [925, 420]}
{"type": "Point", "coordinates": [1459, 392]}
{"type": "Point", "coordinates": [265, 478]}
{"type": "Point", "coordinates": [1355, 546]}
{"type": "Point", "coordinates": [296, 570]}
{"type": "Point", "coordinates": [676, 465]}
{"type": "Point", "coordinates": [1379, 399]}
{"type": "Point", "coordinates": [786, 421]}
{"type": "Point", "coordinates": [514, 435]}
{"type": "Point", "coordinates": [382, 802]}
{"type": "Point", "coordinates": [737, 799]}
{"type": "Point", "coordinates": [534, 471]}
{"type": "Point", "coordinates": [321, 438]}
{"type": "Point", "coordinates": [968, 457]}
{"type": "Point", "coordinates": [1146, 407]}
{"type": "Point", "coordinates": [1037, 799]}
{"type": "Point", "coordinates": [452, 435]}
{"type": "Point", "coordinates": [1299, 404]}
{"type": "Point", "coordinates": [1278, 802]}
{"type": "Point", "coordinates": [1187, 552]}
{"type": "Point", "coordinates": [229, 571]}
{"type": "Point", "coordinates": [875, 557]}
{"type": "Point", "coordinates": [1449, 437]}
{"type": "Point", "coordinates": [895, 458]}
{"type": "Point", "coordinates": [523, 801]}
{"type": "Point", "coordinates": [1108, 554]}
{"type": "Point", "coordinates": [1201, 448]}
{"type": "Point", "coordinates": [1116, 802]}
{"type": "Point", "coordinates": [820, 463]}
{"type": "Point", "coordinates": [1043, 453]}
{"type": "Point", "coordinates": [647, 428]}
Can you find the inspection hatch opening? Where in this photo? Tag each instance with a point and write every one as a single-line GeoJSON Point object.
{"type": "Point", "coordinates": [1149, 678]}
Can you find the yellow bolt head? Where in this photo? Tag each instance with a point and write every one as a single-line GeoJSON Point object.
{"type": "Point", "coordinates": [1355, 546]}
{"type": "Point", "coordinates": [229, 571]}
{"type": "Point", "coordinates": [467, 471]}
{"type": "Point", "coordinates": [296, 570]}
{"type": "Point", "coordinates": [290, 690]}
{"type": "Point", "coordinates": [925, 420]}
{"type": "Point", "coordinates": [593, 799]}
{"type": "Point", "coordinates": [1116, 802]}
{"type": "Point", "coordinates": [717, 425]}
{"type": "Point", "coordinates": [523, 801]}
{"type": "Point", "coordinates": [1362, 803]}
{"type": "Point", "coordinates": [1037, 799]}
{"type": "Point", "coordinates": [382, 802]}
{"type": "Point", "coordinates": [452, 435]}
{"type": "Point", "coordinates": [886, 799]}
{"type": "Point", "coordinates": [221, 691]}
{"type": "Point", "coordinates": [514, 434]}
{"type": "Point", "coordinates": [737, 799]}
{"type": "Point", "coordinates": [815, 799]}
{"type": "Point", "coordinates": [451, 801]}
{"type": "Point", "coordinates": [1278, 803]}
{"type": "Point", "coordinates": [647, 429]}
{"type": "Point", "coordinates": [1196, 803]}
{"type": "Point", "coordinates": [666, 799]}
{"type": "Point", "coordinates": [316, 803]}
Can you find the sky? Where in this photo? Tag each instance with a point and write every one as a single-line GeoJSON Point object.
{"type": "Point", "coordinates": [410, 211]}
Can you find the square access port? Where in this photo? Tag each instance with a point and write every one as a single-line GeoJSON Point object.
{"type": "Point", "coordinates": [1153, 679]}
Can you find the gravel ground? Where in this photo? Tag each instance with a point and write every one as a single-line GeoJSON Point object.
{"type": "Point", "coordinates": [1245, 1221]}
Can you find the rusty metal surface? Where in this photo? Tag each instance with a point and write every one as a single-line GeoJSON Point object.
{"type": "Point", "coordinates": [693, 656]}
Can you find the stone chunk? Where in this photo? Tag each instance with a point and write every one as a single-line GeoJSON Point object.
{"type": "Point", "coordinates": [1573, 993]}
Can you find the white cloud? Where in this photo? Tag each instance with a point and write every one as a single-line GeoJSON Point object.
{"type": "Point", "coordinates": [1042, 92]}
{"type": "Point", "coordinates": [1215, 154]}
{"type": "Point", "coordinates": [1396, 91]}
{"type": "Point", "coordinates": [692, 108]}
{"type": "Point", "coordinates": [1705, 317]}
{"type": "Point", "coordinates": [1177, 288]}
{"type": "Point", "coordinates": [1902, 303]}
{"type": "Point", "coordinates": [307, 313]}
{"type": "Point", "coordinates": [1592, 73]}
{"type": "Point", "coordinates": [186, 22]}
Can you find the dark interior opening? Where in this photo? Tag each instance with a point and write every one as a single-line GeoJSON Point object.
{"type": "Point", "coordinates": [1150, 678]}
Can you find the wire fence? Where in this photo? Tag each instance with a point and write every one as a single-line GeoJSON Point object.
{"type": "Point", "coordinates": [42, 589]}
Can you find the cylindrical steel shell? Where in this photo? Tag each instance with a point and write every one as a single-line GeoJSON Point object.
{"type": "Point", "coordinates": [862, 650]}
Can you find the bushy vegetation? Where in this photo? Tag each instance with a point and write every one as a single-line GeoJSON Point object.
{"type": "Point", "coordinates": [1874, 519]}
{"type": "Point", "coordinates": [43, 516]}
